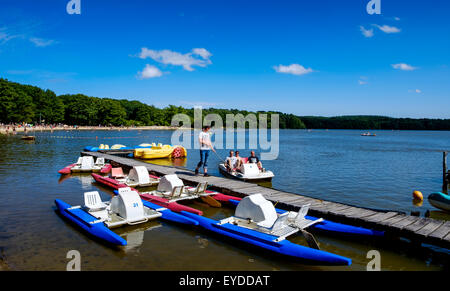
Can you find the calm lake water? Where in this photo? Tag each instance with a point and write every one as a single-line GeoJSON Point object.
{"type": "Point", "coordinates": [337, 165]}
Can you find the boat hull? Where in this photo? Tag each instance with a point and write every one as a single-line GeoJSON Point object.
{"type": "Point", "coordinates": [83, 220]}
{"type": "Point", "coordinates": [224, 172]}
{"type": "Point", "coordinates": [266, 241]}
{"type": "Point", "coordinates": [440, 200]}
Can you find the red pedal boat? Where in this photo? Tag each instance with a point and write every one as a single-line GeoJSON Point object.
{"type": "Point", "coordinates": [174, 206]}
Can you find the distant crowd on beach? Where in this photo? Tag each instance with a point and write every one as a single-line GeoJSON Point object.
{"type": "Point", "coordinates": [13, 128]}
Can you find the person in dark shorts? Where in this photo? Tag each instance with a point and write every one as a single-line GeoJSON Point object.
{"type": "Point", "coordinates": [204, 139]}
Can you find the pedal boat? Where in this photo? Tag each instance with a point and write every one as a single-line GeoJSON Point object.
{"type": "Point", "coordinates": [163, 202]}
{"type": "Point", "coordinates": [98, 218]}
{"type": "Point", "coordinates": [172, 188]}
{"type": "Point", "coordinates": [250, 173]}
{"type": "Point", "coordinates": [331, 227]}
{"type": "Point", "coordinates": [440, 200]}
{"type": "Point", "coordinates": [256, 223]}
{"type": "Point", "coordinates": [160, 152]}
{"type": "Point", "coordinates": [86, 164]}
{"type": "Point", "coordinates": [138, 177]}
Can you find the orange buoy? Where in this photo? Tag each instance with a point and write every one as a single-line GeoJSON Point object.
{"type": "Point", "coordinates": [418, 195]}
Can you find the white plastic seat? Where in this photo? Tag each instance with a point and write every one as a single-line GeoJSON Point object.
{"type": "Point", "coordinates": [256, 208]}
{"type": "Point", "coordinates": [87, 163]}
{"type": "Point", "coordinates": [200, 189]}
{"type": "Point", "coordinates": [93, 202]}
{"type": "Point", "coordinates": [80, 159]}
{"type": "Point", "coordinates": [176, 192]}
{"type": "Point", "coordinates": [100, 162]}
{"type": "Point", "coordinates": [280, 223]}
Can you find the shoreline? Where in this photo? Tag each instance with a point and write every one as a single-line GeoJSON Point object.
{"type": "Point", "coordinates": [3, 130]}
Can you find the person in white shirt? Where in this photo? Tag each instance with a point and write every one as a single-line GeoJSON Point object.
{"type": "Point", "coordinates": [205, 147]}
{"type": "Point", "coordinates": [231, 162]}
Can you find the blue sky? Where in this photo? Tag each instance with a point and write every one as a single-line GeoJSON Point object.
{"type": "Point", "coordinates": [304, 57]}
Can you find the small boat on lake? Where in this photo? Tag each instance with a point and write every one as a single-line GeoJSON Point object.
{"type": "Point", "coordinates": [257, 223]}
{"type": "Point", "coordinates": [28, 137]}
{"type": "Point", "coordinates": [98, 218]}
{"type": "Point", "coordinates": [86, 164]}
{"type": "Point", "coordinates": [159, 152]}
{"type": "Point", "coordinates": [138, 177]}
{"type": "Point", "coordinates": [440, 200]}
{"type": "Point", "coordinates": [249, 172]}
{"type": "Point", "coordinates": [368, 134]}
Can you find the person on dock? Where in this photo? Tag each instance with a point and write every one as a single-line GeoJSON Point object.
{"type": "Point", "coordinates": [204, 139]}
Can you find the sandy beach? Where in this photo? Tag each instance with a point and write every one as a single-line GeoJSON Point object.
{"type": "Point", "coordinates": [4, 130]}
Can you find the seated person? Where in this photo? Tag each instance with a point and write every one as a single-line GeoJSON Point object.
{"type": "Point", "coordinates": [231, 162]}
{"type": "Point", "coordinates": [239, 161]}
{"type": "Point", "coordinates": [253, 159]}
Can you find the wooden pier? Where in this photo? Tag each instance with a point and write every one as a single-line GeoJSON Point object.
{"type": "Point", "coordinates": [395, 224]}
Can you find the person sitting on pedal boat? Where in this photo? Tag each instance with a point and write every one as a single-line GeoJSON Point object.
{"type": "Point", "coordinates": [231, 161]}
{"type": "Point", "coordinates": [253, 159]}
{"type": "Point", "coordinates": [239, 162]}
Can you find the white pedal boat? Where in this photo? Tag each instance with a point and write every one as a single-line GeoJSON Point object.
{"type": "Point", "coordinates": [172, 188]}
{"type": "Point", "coordinates": [138, 177]}
{"type": "Point", "coordinates": [250, 172]}
{"type": "Point", "coordinates": [97, 217]}
{"type": "Point", "coordinates": [87, 164]}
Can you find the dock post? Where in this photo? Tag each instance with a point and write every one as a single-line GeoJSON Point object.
{"type": "Point", "coordinates": [444, 174]}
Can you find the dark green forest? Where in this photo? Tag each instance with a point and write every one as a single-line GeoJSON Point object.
{"type": "Point", "coordinates": [25, 103]}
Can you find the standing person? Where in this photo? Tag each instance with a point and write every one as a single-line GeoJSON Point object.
{"type": "Point", "coordinates": [205, 147]}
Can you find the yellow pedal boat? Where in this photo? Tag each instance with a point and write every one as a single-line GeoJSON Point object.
{"type": "Point", "coordinates": [160, 152]}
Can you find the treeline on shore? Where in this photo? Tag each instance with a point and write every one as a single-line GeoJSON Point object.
{"type": "Point", "coordinates": [30, 104]}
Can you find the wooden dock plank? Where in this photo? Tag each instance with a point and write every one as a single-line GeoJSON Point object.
{"type": "Point", "coordinates": [392, 220]}
{"type": "Point", "coordinates": [441, 231]}
{"type": "Point", "coordinates": [405, 222]}
{"type": "Point", "coordinates": [381, 216]}
{"type": "Point", "coordinates": [430, 227]}
{"type": "Point", "coordinates": [414, 227]}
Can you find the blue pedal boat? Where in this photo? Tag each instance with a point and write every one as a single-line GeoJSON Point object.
{"type": "Point", "coordinates": [98, 218]}
{"type": "Point", "coordinates": [256, 223]}
{"type": "Point", "coordinates": [333, 227]}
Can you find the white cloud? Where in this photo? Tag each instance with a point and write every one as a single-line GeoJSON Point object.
{"type": "Point", "coordinates": [397, 18]}
{"type": "Point", "coordinates": [150, 72]}
{"type": "Point", "coordinates": [202, 52]}
{"type": "Point", "coordinates": [40, 42]}
{"type": "Point", "coordinates": [294, 69]}
{"type": "Point", "coordinates": [404, 67]}
{"type": "Point", "coordinates": [5, 36]}
{"type": "Point", "coordinates": [362, 80]}
{"type": "Point", "coordinates": [366, 32]}
{"type": "Point", "coordinates": [418, 91]}
{"type": "Point", "coordinates": [388, 29]}
{"type": "Point", "coordinates": [187, 61]}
